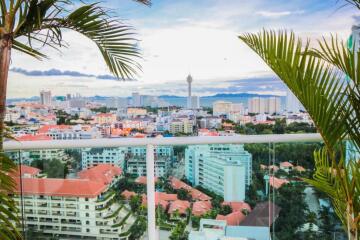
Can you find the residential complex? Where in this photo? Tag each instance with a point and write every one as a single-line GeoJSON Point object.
{"type": "Point", "coordinates": [224, 169]}
{"type": "Point", "coordinates": [94, 156]}
{"type": "Point", "coordinates": [74, 208]}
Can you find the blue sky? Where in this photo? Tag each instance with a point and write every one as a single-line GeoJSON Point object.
{"type": "Point", "coordinates": [182, 36]}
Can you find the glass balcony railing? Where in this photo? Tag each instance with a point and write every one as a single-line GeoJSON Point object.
{"type": "Point", "coordinates": [237, 187]}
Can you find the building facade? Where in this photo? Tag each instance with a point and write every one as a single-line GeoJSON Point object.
{"type": "Point", "coordinates": [73, 208]}
{"type": "Point", "coordinates": [94, 156]}
{"type": "Point", "coordinates": [224, 169]}
{"type": "Point", "coordinates": [136, 160]}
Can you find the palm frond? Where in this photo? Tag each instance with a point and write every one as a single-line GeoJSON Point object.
{"type": "Point", "coordinates": [318, 87]}
{"type": "Point", "coordinates": [43, 21]}
{"type": "Point", "coordinates": [341, 182]}
{"type": "Point", "coordinates": [347, 60]}
{"type": "Point", "coordinates": [9, 220]}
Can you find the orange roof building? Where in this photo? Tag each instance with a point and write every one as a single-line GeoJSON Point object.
{"type": "Point", "coordinates": [29, 137]}
{"type": "Point", "coordinates": [195, 193]}
{"type": "Point", "coordinates": [162, 199]}
{"type": "Point", "coordinates": [200, 208]}
{"type": "Point", "coordinates": [232, 219]}
{"type": "Point", "coordinates": [238, 206]}
{"type": "Point", "coordinates": [142, 180]}
{"type": "Point", "coordinates": [277, 182]}
{"type": "Point", "coordinates": [104, 173]}
{"type": "Point", "coordinates": [26, 171]}
{"type": "Point", "coordinates": [179, 206]}
{"type": "Point", "coordinates": [128, 194]}
{"type": "Point", "coordinates": [60, 187]}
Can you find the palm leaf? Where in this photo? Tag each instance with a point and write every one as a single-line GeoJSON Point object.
{"type": "Point", "coordinates": [8, 210]}
{"type": "Point", "coordinates": [341, 182]}
{"type": "Point", "coordinates": [318, 87]}
{"type": "Point", "coordinates": [347, 60]}
{"type": "Point", "coordinates": [42, 22]}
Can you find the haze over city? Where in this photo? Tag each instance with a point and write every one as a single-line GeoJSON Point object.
{"type": "Point", "coordinates": [180, 38]}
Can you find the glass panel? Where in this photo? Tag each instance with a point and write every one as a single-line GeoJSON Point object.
{"type": "Point", "coordinates": [229, 190]}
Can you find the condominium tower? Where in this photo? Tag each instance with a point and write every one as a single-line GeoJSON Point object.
{"type": "Point", "coordinates": [223, 169]}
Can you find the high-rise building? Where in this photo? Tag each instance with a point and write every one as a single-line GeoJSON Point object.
{"type": "Point", "coordinates": [274, 105]}
{"type": "Point", "coordinates": [136, 99]}
{"type": "Point", "coordinates": [221, 168]}
{"type": "Point", "coordinates": [45, 97]}
{"type": "Point", "coordinates": [189, 80]}
{"type": "Point", "coordinates": [195, 102]}
{"type": "Point", "coordinates": [293, 105]}
{"type": "Point", "coordinates": [221, 108]}
{"type": "Point", "coordinates": [260, 105]}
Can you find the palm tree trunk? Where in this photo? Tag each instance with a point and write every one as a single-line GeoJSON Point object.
{"type": "Point", "coordinates": [5, 52]}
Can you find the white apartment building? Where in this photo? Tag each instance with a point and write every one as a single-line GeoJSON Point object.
{"type": "Point", "coordinates": [74, 208]}
{"type": "Point", "coordinates": [94, 156]}
{"type": "Point", "coordinates": [45, 98]}
{"type": "Point", "coordinates": [136, 160]}
{"type": "Point", "coordinates": [225, 108]}
{"type": "Point", "coordinates": [181, 126]}
{"type": "Point", "coordinates": [260, 105]}
{"type": "Point", "coordinates": [222, 168]}
{"type": "Point", "coordinates": [48, 154]}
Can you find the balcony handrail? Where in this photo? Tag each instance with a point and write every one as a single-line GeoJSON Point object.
{"type": "Point", "coordinates": [163, 141]}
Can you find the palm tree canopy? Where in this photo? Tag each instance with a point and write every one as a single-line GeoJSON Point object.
{"type": "Point", "coordinates": [316, 84]}
{"type": "Point", "coordinates": [31, 23]}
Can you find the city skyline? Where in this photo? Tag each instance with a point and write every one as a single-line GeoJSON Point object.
{"type": "Point", "coordinates": [165, 65]}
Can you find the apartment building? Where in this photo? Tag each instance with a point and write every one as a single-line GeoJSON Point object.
{"type": "Point", "coordinates": [224, 169]}
{"type": "Point", "coordinates": [181, 126]}
{"type": "Point", "coordinates": [73, 208]}
{"type": "Point", "coordinates": [258, 105]}
{"type": "Point", "coordinates": [136, 160]}
{"type": "Point", "coordinates": [94, 156]}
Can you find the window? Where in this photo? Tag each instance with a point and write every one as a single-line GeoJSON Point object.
{"type": "Point", "coordinates": [86, 199]}
{"type": "Point", "coordinates": [87, 230]}
{"type": "Point", "coordinates": [87, 222]}
{"type": "Point", "coordinates": [86, 206]}
{"type": "Point", "coordinates": [87, 214]}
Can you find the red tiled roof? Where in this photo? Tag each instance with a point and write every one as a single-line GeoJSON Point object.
{"type": "Point", "coordinates": [238, 206]}
{"type": "Point", "coordinates": [60, 187]}
{"type": "Point", "coordinates": [142, 180]}
{"type": "Point", "coordinates": [198, 195]}
{"type": "Point", "coordinates": [161, 198]}
{"type": "Point", "coordinates": [47, 128]}
{"type": "Point", "coordinates": [201, 207]}
{"type": "Point", "coordinates": [29, 137]}
{"type": "Point", "coordinates": [26, 170]}
{"type": "Point", "coordinates": [286, 164]}
{"type": "Point", "coordinates": [180, 205]}
{"type": "Point", "coordinates": [300, 169]}
{"type": "Point", "coordinates": [103, 173]}
{"type": "Point", "coordinates": [128, 194]}
{"type": "Point", "coordinates": [277, 182]}
{"type": "Point", "coordinates": [177, 184]}
{"type": "Point", "coordinates": [232, 219]}
{"type": "Point", "coordinates": [195, 194]}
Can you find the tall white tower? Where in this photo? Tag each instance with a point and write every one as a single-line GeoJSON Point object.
{"type": "Point", "coordinates": [189, 80]}
{"type": "Point", "coordinates": [45, 97]}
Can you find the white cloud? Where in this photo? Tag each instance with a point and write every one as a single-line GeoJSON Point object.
{"type": "Point", "coordinates": [273, 14]}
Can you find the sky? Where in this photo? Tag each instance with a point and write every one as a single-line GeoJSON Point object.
{"type": "Point", "coordinates": [178, 37]}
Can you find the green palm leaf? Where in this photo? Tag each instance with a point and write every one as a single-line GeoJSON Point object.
{"type": "Point", "coordinates": [319, 88]}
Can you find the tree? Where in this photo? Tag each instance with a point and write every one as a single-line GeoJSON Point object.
{"type": "Point", "coordinates": [225, 210]}
{"type": "Point", "coordinates": [279, 126]}
{"type": "Point", "coordinates": [327, 225]}
{"type": "Point", "coordinates": [179, 232]}
{"type": "Point", "coordinates": [316, 77]}
{"type": "Point", "coordinates": [25, 24]}
{"type": "Point", "coordinates": [135, 203]}
{"type": "Point", "coordinates": [183, 194]}
{"type": "Point", "coordinates": [138, 228]}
